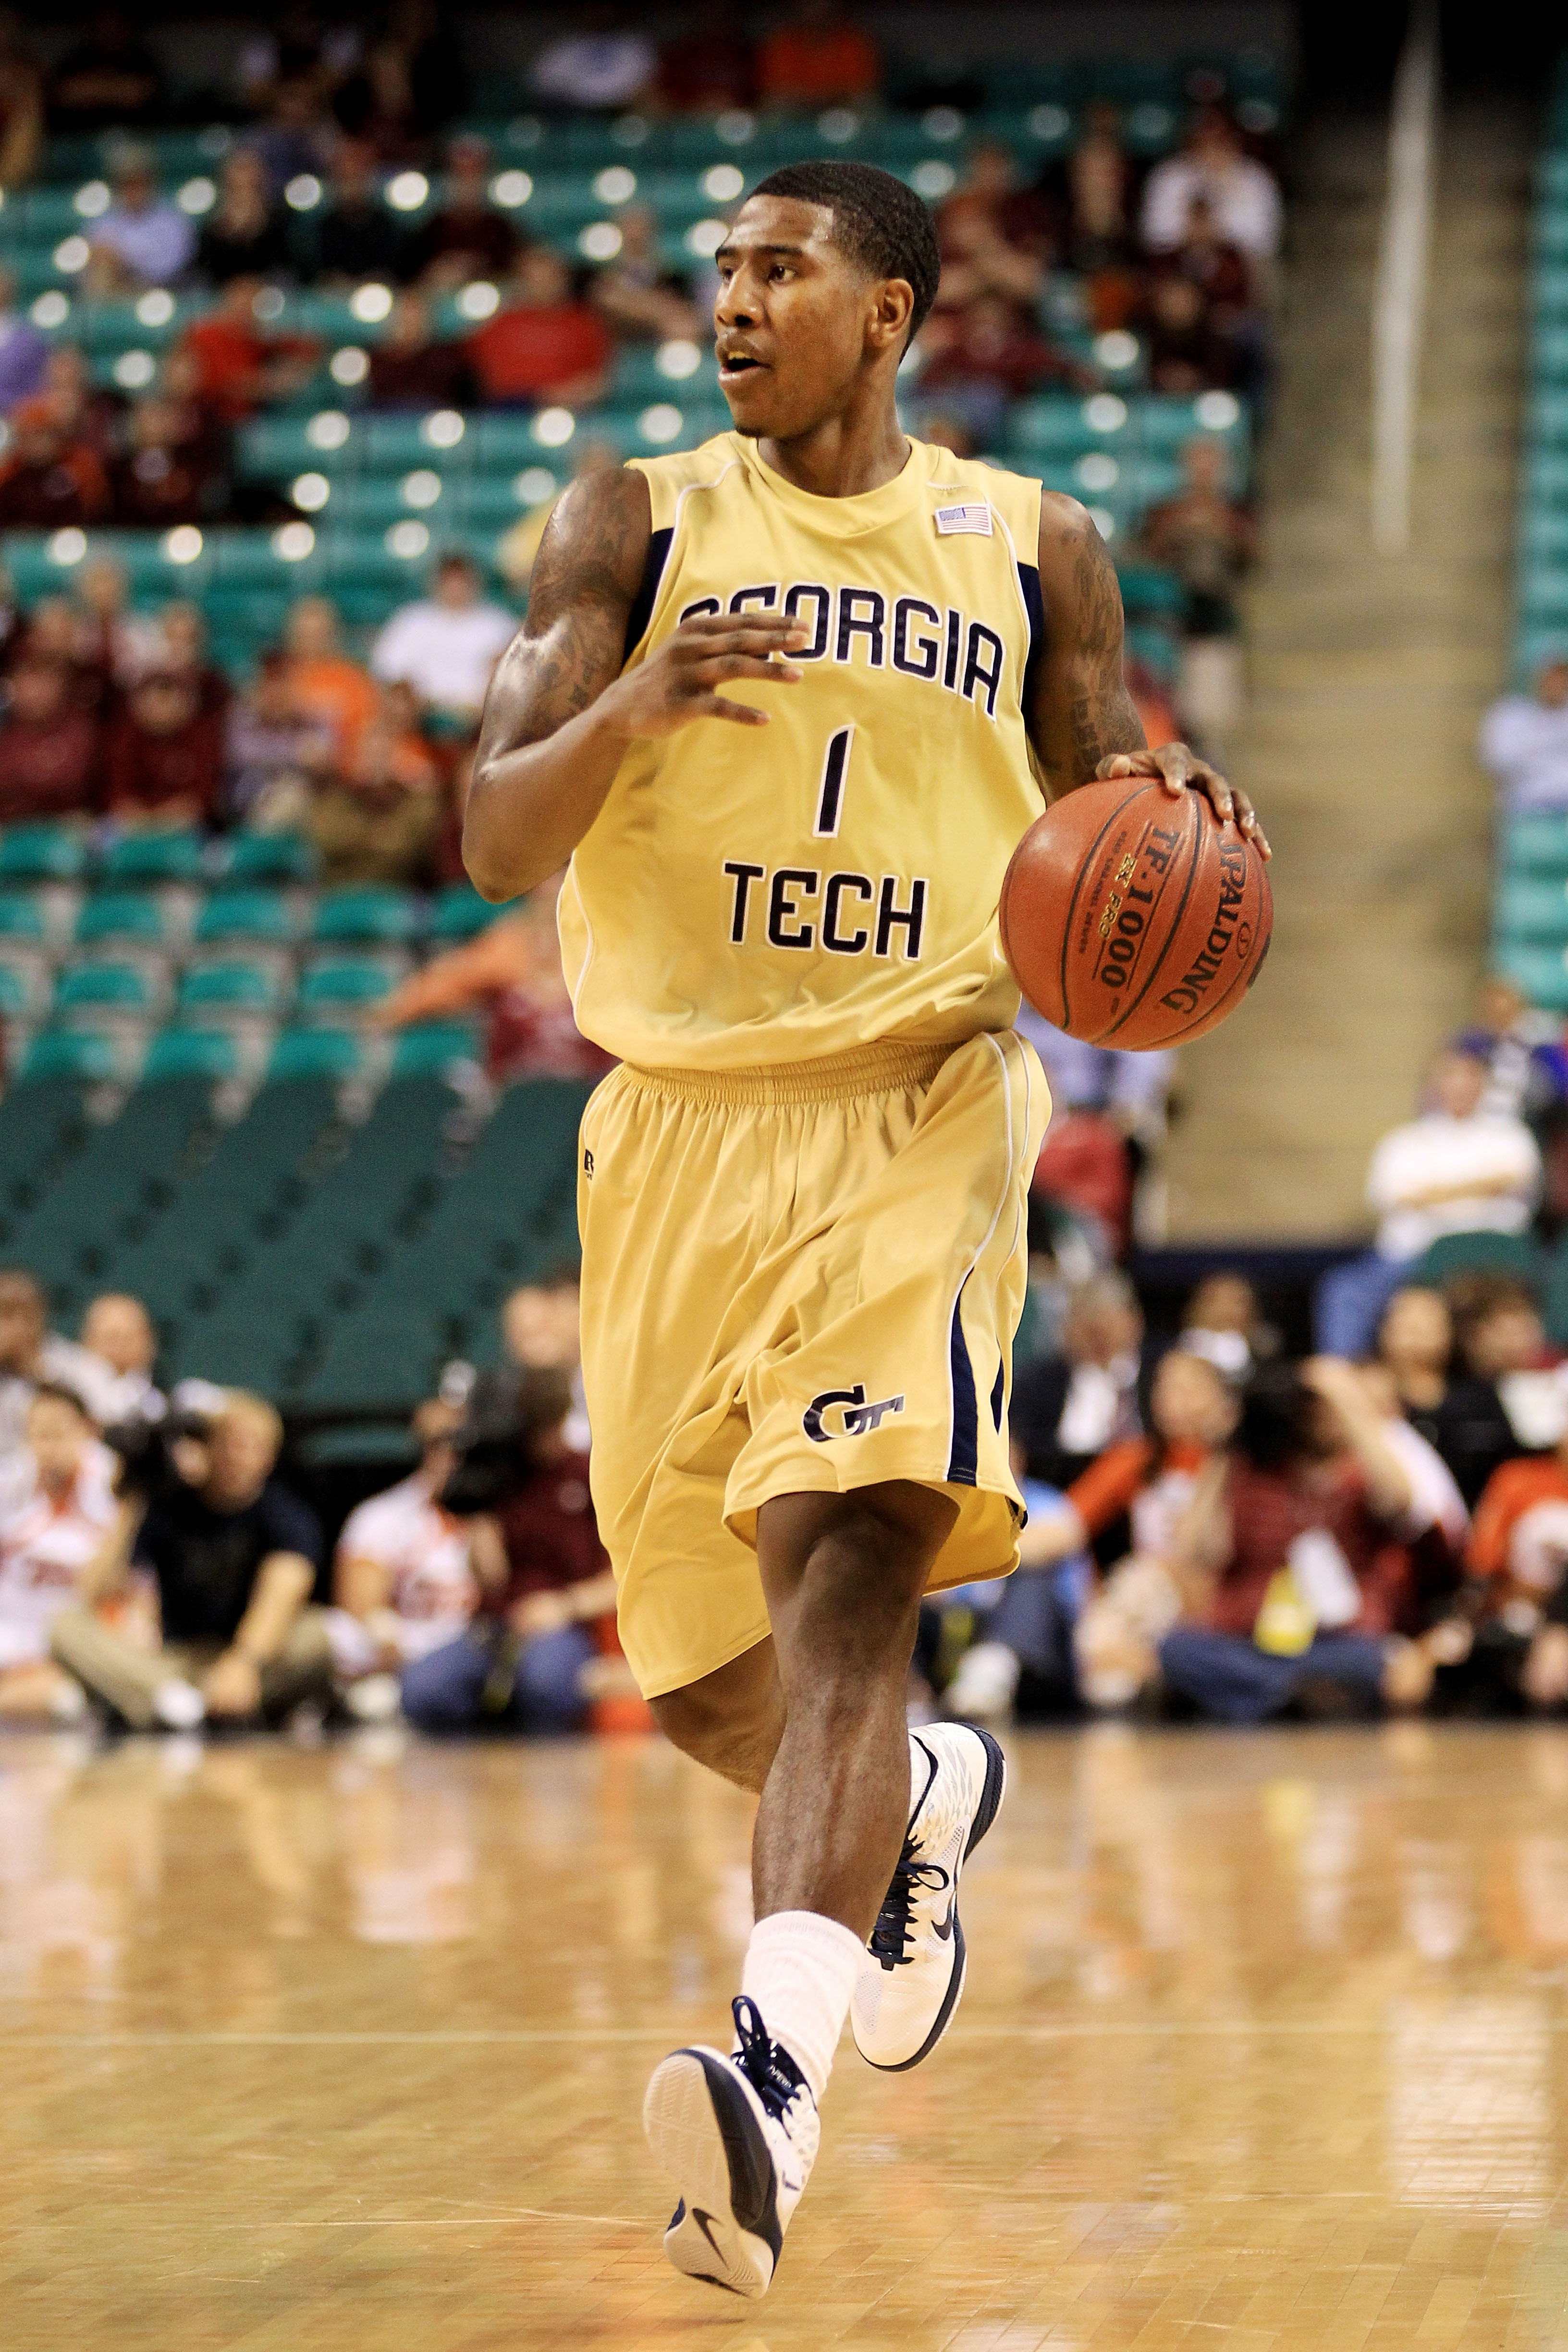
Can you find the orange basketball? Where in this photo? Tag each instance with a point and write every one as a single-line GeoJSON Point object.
{"type": "Point", "coordinates": [1134, 918]}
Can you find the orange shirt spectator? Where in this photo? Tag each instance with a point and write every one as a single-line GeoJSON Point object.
{"type": "Point", "coordinates": [328, 686]}
{"type": "Point", "coordinates": [1520, 1535]}
{"type": "Point", "coordinates": [818, 61]}
{"type": "Point", "coordinates": [513, 969]}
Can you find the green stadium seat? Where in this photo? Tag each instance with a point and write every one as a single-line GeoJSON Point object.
{"type": "Point", "coordinates": [345, 987]}
{"type": "Point", "coordinates": [269, 857]}
{"type": "Point", "coordinates": [118, 989]}
{"type": "Point", "coordinates": [1475, 1253]}
{"type": "Point", "coordinates": [25, 985]}
{"type": "Point", "coordinates": [364, 913]}
{"type": "Point", "coordinates": [22, 919]}
{"type": "Point", "coordinates": [1540, 972]}
{"type": "Point", "coordinates": [179, 1053]}
{"type": "Point", "coordinates": [459, 913]}
{"type": "Point", "coordinates": [76, 1054]}
{"type": "Point", "coordinates": [230, 990]}
{"type": "Point", "coordinates": [1529, 908]}
{"type": "Point", "coordinates": [42, 853]}
{"type": "Point", "coordinates": [126, 918]}
{"type": "Point", "coordinates": [232, 917]}
{"type": "Point", "coordinates": [1537, 844]}
{"type": "Point", "coordinates": [429, 1048]}
{"type": "Point", "coordinates": [315, 1054]}
{"type": "Point", "coordinates": [156, 855]}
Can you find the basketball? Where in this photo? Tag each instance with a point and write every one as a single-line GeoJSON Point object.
{"type": "Point", "coordinates": [1134, 920]}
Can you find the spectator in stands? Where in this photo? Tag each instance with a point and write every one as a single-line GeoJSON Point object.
{"type": "Point", "coordinates": [430, 57]}
{"type": "Point", "coordinates": [817, 59]}
{"type": "Point", "coordinates": [511, 970]}
{"type": "Point", "coordinates": [465, 237]}
{"type": "Point", "coordinates": [1524, 1073]}
{"type": "Point", "coordinates": [354, 237]}
{"type": "Point", "coordinates": [21, 106]}
{"type": "Point", "coordinates": [1100, 244]}
{"type": "Point", "coordinates": [164, 757]}
{"type": "Point", "coordinates": [108, 81]}
{"type": "Point", "coordinates": [1187, 354]}
{"type": "Point", "coordinates": [545, 343]}
{"type": "Point", "coordinates": [48, 481]}
{"type": "Point", "coordinates": [601, 68]}
{"type": "Point", "coordinates": [245, 235]}
{"type": "Point", "coordinates": [639, 296]}
{"type": "Point", "coordinates": [295, 48]}
{"type": "Point", "coordinates": [117, 1330]}
{"type": "Point", "coordinates": [377, 821]}
{"type": "Point", "coordinates": [31, 1355]}
{"type": "Point", "coordinates": [89, 412]}
{"type": "Point", "coordinates": [1208, 541]}
{"type": "Point", "coordinates": [445, 644]}
{"type": "Point", "coordinates": [1524, 742]}
{"type": "Point", "coordinates": [517, 550]}
{"type": "Point", "coordinates": [327, 685]}
{"type": "Point", "coordinates": [523, 1664]}
{"type": "Point", "coordinates": [409, 369]}
{"type": "Point", "coordinates": [1128, 1505]}
{"type": "Point", "coordinates": [709, 68]}
{"type": "Point", "coordinates": [235, 1556]}
{"type": "Point", "coordinates": [51, 1528]}
{"type": "Point", "coordinates": [24, 353]}
{"type": "Point", "coordinates": [982, 358]}
{"type": "Point", "coordinates": [541, 1328]}
{"type": "Point", "coordinates": [1068, 1407]}
{"type": "Point", "coordinates": [1456, 1170]}
{"type": "Point", "coordinates": [1297, 1560]}
{"type": "Point", "coordinates": [1242, 195]}
{"type": "Point", "coordinates": [1459, 1413]}
{"type": "Point", "coordinates": [275, 752]}
{"type": "Point", "coordinates": [1519, 1548]}
{"type": "Point", "coordinates": [110, 641]}
{"type": "Point", "coordinates": [181, 651]}
{"type": "Point", "coordinates": [140, 241]}
{"type": "Point", "coordinates": [292, 138]}
{"type": "Point", "coordinates": [1109, 1117]}
{"type": "Point", "coordinates": [239, 365]}
{"type": "Point", "coordinates": [401, 1581]}
{"type": "Point", "coordinates": [1223, 275]}
{"type": "Point", "coordinates": [168, 473]}
{"type": "Point", "coordinates": [990, 241]}
{"type": "Point", "coordinates": [1224, 1322]}
{"type": "Point", "coordinates": [1501, 1342]}
{"type": "Point", "coordinates": [49, 750]}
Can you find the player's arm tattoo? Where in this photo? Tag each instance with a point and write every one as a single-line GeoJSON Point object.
{"type": "Point", "coordinates": [584, 581]}
{"type": "Point", "coordinates": [1078, 709]}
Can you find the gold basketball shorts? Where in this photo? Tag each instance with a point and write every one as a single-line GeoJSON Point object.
{"type": "Point", "coordinates": [798, 1278]}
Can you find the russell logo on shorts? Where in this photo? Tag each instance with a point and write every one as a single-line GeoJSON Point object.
{"type": "Point", "coordinates": [857, 1414]}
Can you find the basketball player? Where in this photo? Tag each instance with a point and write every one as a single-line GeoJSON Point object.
{"type": "Point", "coordinates": [788, 703]}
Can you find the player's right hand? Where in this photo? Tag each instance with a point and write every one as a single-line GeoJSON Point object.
{"type": "Point", "coordinates": [679, 683]}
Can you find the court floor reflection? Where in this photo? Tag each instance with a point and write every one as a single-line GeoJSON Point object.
{"type": "Point", "coordinates": [1263, 2047]}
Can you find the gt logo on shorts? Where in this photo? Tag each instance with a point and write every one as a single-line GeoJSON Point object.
{"type": "Point", "coordinates": [858, 1416]}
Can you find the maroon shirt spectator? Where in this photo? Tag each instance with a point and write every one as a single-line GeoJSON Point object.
{"type": "Point", "coordinates": [166, 475]}
{"type": "Point", "coordinates": [48, 744]}
{"type": "Point", "coordinates": [409, 370]}
{"type": "Point", "coordinates": [468, 237]}
{"type": "Point", "coordinates": [46, 479]}
{"type": "Point", "coordinates": [710, 69]}
{"type": "Point", "coordinates": [987, 343]}
{"type": "Point", "coordinates": [548, 1530]}
{"type": "Point", "coordinates": [545, 345]}
{"type": "Point", "coordinates": [183, 653]}
{"type": "Point", "coordinates": [164, 754]}
{"type": "Point", "coordinates": [1187, 353]}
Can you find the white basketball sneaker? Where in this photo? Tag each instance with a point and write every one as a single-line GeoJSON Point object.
{"type": "Point", "coordinates": [738, 2136]}
{"type": "Point", "coordinates": [913, 1974]}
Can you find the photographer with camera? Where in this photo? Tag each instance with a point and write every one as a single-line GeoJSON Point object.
{"type": "Point", "coordinates": [233, 1556]}
{"type": "Point", "coordinates": [523, 1664]}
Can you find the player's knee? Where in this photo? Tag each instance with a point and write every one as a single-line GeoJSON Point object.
{"type": "Point", "coordinates": [862, 1561]}
{"type": "Point", "coordinates": [730, 1720]}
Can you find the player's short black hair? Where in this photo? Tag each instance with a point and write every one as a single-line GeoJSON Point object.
{"type": "Point", "coordinates": [877, 221]}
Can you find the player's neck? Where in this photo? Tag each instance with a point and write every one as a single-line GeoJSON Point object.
{"type": "Point", "coordinates": [845, 456]}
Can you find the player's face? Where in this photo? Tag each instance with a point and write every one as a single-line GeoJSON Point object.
{"type": "Point", "coordinates": [791, 319]}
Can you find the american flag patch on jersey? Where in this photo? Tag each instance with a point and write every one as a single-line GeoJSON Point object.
{"type": "Point", "coordinates": [966, 518]}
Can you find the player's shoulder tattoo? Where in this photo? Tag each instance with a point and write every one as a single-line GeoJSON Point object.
{"type": "Point", "coordinates": [594, 547]}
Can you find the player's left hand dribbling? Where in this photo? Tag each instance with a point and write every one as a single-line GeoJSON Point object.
{"type": "Point", "coordinates": [1180, 770]}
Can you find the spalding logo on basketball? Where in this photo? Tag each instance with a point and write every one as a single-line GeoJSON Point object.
{"type": "Point", "coordinates": [1132, 917]}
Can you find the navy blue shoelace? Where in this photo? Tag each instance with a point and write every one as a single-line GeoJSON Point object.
{"type": "Point", "coordinates": [766, 2065]}
{"type": "Point", "coordinates": [890, 1936]}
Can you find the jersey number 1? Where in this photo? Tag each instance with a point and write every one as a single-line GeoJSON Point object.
{"type": "Point", "coordinates": [830, 799]}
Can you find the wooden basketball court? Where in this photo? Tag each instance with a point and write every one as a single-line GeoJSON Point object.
{"type": "Point", "coordinates": [1262, 2051]}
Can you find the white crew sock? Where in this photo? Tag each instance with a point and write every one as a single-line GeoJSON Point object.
{"type": "Point", "coordinates": [800, 1968]}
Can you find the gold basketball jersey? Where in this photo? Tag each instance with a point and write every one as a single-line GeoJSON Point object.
{"type": "Point", "coordinates": [767, 894]}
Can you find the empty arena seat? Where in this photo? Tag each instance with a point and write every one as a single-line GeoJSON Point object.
{"type": "Point", "coordinates": [155, 856]}
{"type": "Point", "coordinates": [124, 917]}
{"type": "Point", "coordinates": [365, 912]}
{"type": "Point", "coordinates": [242, 918]}
{"type": "Point", "coordinates": [22, 919]}
{"type": "Point", "coordinates": [77, 1053]}
{"type": "Point", "coordinates": [179, 1052]}
{"type": "Point", "coordinates": [1536, 843]}
{"type": "Point", "coordinates": [427, 1048]}
{"type": "Point", "coordinates": [107, 988]}
{"type": "Point", "coordinates": [268, 858]}
{"type": "Point", "coordinates": [42, 853]}
{"type": "Point", "coordinates": [315, 1054]}
{"type": "Point", "coordinates": [459, 913]}
{"type": "Point", "coordinates": [1533, 908]}
{"type": "Point", "coordinates": [232, 988]}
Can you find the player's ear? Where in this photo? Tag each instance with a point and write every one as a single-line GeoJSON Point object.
{"type": "Point", "coordinates": [892, 307]}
